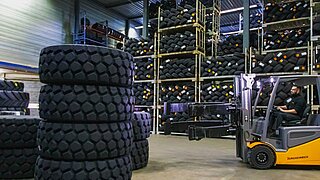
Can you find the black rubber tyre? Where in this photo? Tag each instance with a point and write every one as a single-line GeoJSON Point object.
{"type": "Point", "coordinates": [14, 99]}
{"type": "Point", "coordinates": [11, 85]}
{"type": "Point", "coordinates": [140, 154]}
{"type": "Point", "coordinates": [17, 163]}
{"type": "Point", "coordinates": [84, 141]}
{"type": "Point", "coordinates": [119, 168]}
{"type": "Point", "coordinates": [141, 125]}
{"type": "Point", "coordinates": [18, 131]}
{"type": "Point", "coordinates": [80, 64]}
{"type": "Point", "coordinates": [65, 103]}
{"type": "Point", "coordinates": [261, 157]}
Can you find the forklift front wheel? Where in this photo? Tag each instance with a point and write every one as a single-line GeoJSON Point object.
{"type": "Point", "coordinates": [261, 157]}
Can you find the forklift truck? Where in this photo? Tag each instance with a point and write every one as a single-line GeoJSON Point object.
{"type": "Point", "coordinates": [297, 143]}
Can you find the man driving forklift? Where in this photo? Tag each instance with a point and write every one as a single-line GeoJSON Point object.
{"type": "Point", "coordinates": [294, 145]}
{"type": "Point", "coordinates": [292, 111]}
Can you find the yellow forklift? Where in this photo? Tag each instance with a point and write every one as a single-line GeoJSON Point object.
{"type": "Point", "coordinates": [296, 143]}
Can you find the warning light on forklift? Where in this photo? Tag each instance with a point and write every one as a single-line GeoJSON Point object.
{"type": "Point", "coordinates": [271, 80]}
{"type": "Point", "coordinates": [258, 84]}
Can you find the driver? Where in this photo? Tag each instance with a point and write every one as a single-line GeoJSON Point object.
{"type": "Point", "coordinates": [292, 111]}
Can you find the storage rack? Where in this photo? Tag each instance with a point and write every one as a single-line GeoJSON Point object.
{"type": "Point", "coordinates": [198, 27]}
{"type": "Point", "coordinates": [283, 25]}
{"type": "Point", "coordinates": [107, 34]}
{"type": "Point", "coordinates": [214, 35]}
{"type": "Point", "coordinates": [314, 51]}
{"type": "Point", "coordinates": [198, 79]}
{"type": "Point", "coordinates": [148, 108]}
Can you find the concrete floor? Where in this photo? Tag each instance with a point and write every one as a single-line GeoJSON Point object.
{"type": "Point", "coordinates": [177, 158]}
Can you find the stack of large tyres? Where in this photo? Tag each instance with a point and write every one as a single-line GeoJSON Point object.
{"type": "Point", "coordinates": [287, 10]}
{"type": "Point", "coordinates": [12, 98]}
{"type": "Point", "coordinates": [223, 65]}
{"type": "Point", "coordinates": [289, 61]}
{"type": "Point", "coordinates": [87, 108]}
{"type": "Point", "coordinates": [18, 146]}
{"type": "Point", "coordinates": [286, 39]}
{"type": "Point", "coordinates": [140, 148]}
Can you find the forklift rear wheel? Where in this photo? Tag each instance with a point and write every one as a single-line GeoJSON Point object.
{"type": "Point", "coordinates": [261, 157]}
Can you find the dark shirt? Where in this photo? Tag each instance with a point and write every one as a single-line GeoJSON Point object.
{"type": "Point", "coordinates": [298, 103]}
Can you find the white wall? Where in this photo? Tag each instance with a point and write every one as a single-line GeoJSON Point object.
{"type": "Point", "coordinates": [26, 26]}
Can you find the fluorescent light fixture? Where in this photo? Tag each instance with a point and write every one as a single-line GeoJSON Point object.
{"type": "Point", "coordinates": [141, 27]}
{"type": "Point", "coordinates": [237, 9]}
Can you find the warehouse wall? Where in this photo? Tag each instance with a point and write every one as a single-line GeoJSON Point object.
{"type": "Point", "coordinates": [26, 26]}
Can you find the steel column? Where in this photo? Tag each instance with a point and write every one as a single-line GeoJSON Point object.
{"type": "Point", "coordinates": [145, 18]}
{"type": "Point", "coordinates": [126, 30]}
{"type": "Point", "coordinates": [246, 24]}
{"type": "Point", "coordinates": [76, 17]}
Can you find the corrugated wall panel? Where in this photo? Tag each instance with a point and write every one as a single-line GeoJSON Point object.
{"type": "Point", "coordinates": [97, 13]}
{"type": "Point", "coordinates": [29, 25]}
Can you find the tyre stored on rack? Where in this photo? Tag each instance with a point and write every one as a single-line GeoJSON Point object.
{"type": "Point", "coordinates": [14, 99]}
{"type": "Point", "coordinates": [11, 85]}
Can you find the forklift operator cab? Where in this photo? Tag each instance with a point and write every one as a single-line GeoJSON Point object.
{"type": "Point", "coordinates": [297, 143]}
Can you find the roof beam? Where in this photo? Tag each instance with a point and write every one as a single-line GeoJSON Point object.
{"type": "Point", "coordinates": [122, 3]}
{"type": "Point", "coordinates": [114, 11]}
{"type": "Point", "coordinates": [225, 12]}
{"type": "Point", "coordinates": [136, 17]}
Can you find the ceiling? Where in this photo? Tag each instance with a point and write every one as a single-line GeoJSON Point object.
{"type": "Point", "coordinates": [133, 9]}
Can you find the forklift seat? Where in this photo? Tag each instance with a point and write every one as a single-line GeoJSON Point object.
{"type": "Point", "coordinates": [313, 120]}
{"type": "Point", "coordinates": [299, 122]}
